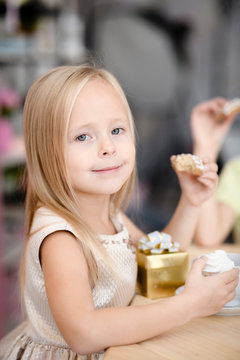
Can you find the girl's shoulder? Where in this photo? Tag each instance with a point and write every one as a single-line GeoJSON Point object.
{"type": "Point", "coordinates": [45, 222]}
{"type": "Point", "coordinates": [45, 217]}
{"type": "Point", "coordinates": [134, 232]}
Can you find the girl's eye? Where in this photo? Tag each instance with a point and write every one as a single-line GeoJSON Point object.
{"type": "Point", "coordinates": [83, 137]}
{"type": "Point", "coordinates": [117, 131]}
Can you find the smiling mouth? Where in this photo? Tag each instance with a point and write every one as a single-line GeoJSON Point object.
{"type": "Point", "coordinates": [107, 169]}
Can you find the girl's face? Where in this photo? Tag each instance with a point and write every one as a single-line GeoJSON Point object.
{"type": "Point", "coordinates": [100, 149]}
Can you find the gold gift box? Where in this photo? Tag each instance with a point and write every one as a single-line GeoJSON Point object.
{"type": "Point", "coordinates": [160, 275]}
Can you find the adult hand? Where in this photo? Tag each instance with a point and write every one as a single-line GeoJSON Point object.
{"type": "Point", "coordinates": [208, 132]}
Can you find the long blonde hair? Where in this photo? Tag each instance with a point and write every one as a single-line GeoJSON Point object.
{"type": "Point", "coordinates": [46, 115]}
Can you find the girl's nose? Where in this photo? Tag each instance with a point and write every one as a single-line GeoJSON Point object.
{"type": "Point", "coordinates": [107, 147]}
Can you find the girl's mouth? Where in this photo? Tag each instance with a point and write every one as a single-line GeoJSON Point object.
{"type": "Point", "coordinates": [106, 170]}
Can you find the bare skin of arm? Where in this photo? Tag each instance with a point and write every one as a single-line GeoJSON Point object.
{"type": "Point", "coordinates": [88, 330]}
{"type": "Point", "coordinates": [208, 133]}
{"type": "Point", "coordinates": [214, 224]}
{"type": "Point", "coordinates": [195, 191]}
{"type": "Point", "coordinates": [215, 219]}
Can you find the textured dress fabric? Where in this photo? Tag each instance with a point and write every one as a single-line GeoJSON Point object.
{"type": "Point", "coordinates": [38, 337]}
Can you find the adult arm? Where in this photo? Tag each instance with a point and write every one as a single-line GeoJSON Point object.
{"type": "Point", "coordinates": [214, 224]}
{"type": "Point", "coordinates": [219, 213]}
{"type": "Point", "coordinates": [208, 133]}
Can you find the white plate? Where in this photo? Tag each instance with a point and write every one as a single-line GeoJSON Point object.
{"type": "Point", "coordinates": [226, 310]}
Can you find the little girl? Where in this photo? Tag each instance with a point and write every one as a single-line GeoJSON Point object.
{"type": "Point", "coordinates": [79, 266]}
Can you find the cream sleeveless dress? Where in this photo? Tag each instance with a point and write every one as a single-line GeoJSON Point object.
{"type": "Point", "coordinates": [38, 337]}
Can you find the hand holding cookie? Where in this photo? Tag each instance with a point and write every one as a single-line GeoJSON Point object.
{"type": "Point", "coordinates": [210, 123]}
{"type": "Point", "coordinates": [197, 178]}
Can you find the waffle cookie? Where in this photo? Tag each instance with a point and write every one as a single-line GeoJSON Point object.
{"type": "Point", "coordinates": [231, 107]}
{"type": "Point", "coordinates": [189, 163]}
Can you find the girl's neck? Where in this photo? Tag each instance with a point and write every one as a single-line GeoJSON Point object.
{"type": "Point", "coordinates": [95, 212]}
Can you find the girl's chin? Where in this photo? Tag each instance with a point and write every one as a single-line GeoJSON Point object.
{"type": "Point", "coordinates": [99, 192]}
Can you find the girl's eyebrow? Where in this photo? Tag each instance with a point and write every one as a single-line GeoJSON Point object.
{"type": "Point", "coordinates": [90, 125]}
{"type": "Point", "coordinates": [79, 128]}
{"type": "Point", "coordinates": [122, 119]}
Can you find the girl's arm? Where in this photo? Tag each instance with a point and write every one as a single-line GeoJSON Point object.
{"type": "Point", "coordinates": [183, 223]}
{"type": "Point", "coordinates": [195, 191]}
{"type": "Point", "coordinates": [87, 330]}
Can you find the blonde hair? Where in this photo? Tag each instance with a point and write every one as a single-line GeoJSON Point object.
{"type": "Point", "coordinates": [46, 116]}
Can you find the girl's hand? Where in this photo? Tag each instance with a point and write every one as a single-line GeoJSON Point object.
{"type": "Point", "coordinates": [209, 294]}
{"type": "Point", "coordinates": [198, 189]}
{"type": "Point", "coordinates": [208, 132]}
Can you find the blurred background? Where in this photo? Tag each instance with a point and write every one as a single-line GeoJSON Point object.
{"type": "Point", "coordinates": [167, 55]}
